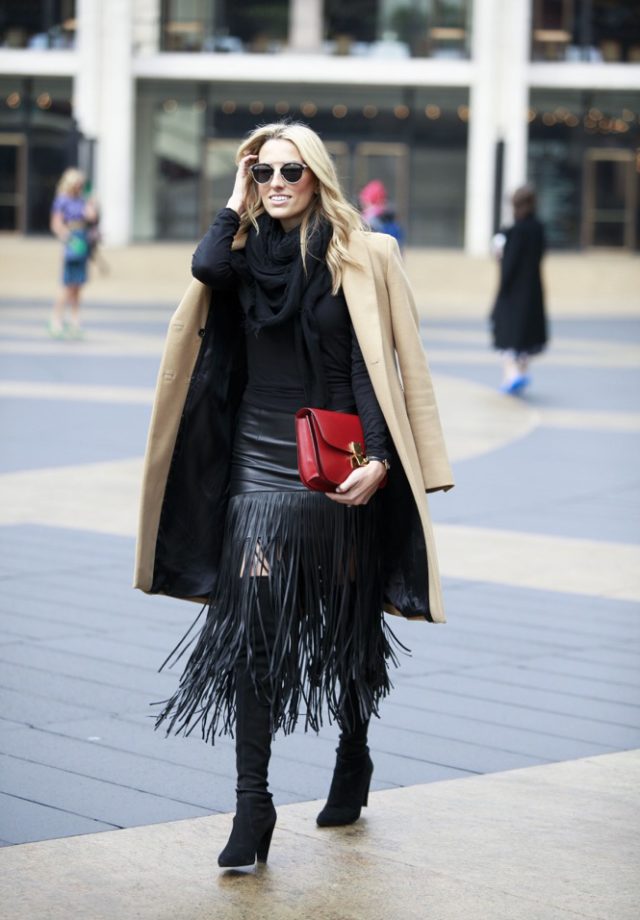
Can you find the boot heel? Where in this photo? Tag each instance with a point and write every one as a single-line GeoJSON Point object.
{"type": "Point", "coordinates": [365, 801]}
{"type": "Point", "coordinates": [262, 850]}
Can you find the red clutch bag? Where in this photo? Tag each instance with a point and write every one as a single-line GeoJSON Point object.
{"type": "Point", "coordinates": [330, 446]}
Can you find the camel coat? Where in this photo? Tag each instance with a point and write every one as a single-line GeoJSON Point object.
{"type": "Point", "coordinates": [199, 386]}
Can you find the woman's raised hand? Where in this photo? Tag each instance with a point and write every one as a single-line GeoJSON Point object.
{"type": "Point", "coordinates": [237, 201]}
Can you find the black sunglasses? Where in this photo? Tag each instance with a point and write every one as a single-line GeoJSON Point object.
{"type": "Point", "coordinates": [290, 172]}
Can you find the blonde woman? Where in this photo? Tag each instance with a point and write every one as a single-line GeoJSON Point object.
{"type": "Point", "coordinates": [294, 305]}
{"type": "Point", "coordinates": [70, 215]}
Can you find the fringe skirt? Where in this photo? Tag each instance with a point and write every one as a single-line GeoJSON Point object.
{"type": "Point", "coordinates": [298, 600]}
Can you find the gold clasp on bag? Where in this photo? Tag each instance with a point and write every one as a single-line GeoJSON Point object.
{"type": "Point", "coordinates": [357, 456]}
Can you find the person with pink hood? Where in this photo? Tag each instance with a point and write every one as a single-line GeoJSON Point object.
{"type": "Point", "coordinates": [377, 212]}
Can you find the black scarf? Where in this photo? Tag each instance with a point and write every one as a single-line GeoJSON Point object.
{"type": "Point", "coordinates": [276, 289]}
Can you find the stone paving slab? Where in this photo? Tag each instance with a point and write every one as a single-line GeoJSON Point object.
{"type": "Point", "coordinates": [31, 820]}
{"type": "Point", "coordinates": [105, 801]}
{"type": "Point", "coordinates": [545, 843]}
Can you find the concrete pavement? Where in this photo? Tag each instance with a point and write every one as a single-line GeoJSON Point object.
{"type": "Point", "coordinates": [543, 843]}
{"type": "Point", "coordinates": [536, 670]}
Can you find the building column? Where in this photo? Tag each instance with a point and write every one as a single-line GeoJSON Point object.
{"type": "Point", "coordinates": [115, 139]}
{"type": "Point", "coordinates": [146, 27]}
{"type": "Point", "coordinates": [86, 83]}
{"type": "Point", "coordinates": [305, 25]}
{"type": "Point", "coordinates": [143, 219]}
{"type": "Point", "coordinates": [513, 124]}
{"type": "Point", "coordinates": [481, 146]}
{"type": "Point", "coordinates": [498, 103]}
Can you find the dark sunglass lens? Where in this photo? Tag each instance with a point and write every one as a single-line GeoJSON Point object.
{"type": "Point", "coordinates": [262, 173]}
{"type": "Point", "coordinates": [292, 172]}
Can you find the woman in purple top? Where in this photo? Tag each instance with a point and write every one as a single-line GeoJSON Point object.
{"type": "Point", "coordinates": [70, 214]}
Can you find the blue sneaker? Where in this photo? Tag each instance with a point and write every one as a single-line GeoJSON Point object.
{"type": "Point", "coordinates": [515, 386]}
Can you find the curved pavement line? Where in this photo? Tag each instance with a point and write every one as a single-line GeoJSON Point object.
{"type": "Point", "coordinates": [477, 419]}
{"type": "Point", "coordinates": [103, 498]}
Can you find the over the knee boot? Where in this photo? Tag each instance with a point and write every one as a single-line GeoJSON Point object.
{"type": "Point", "coordinates": [255, 815]}
{"type": "Point", "coordinates": [349, 791]}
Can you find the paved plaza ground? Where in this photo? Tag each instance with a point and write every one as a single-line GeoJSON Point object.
{"type": "Point", "coordinates": [538, 664]}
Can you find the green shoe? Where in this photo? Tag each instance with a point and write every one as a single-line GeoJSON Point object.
{"type": "Point", "coordinates": [55, 332]}
{"type": "Point", "coordinates": [74, 332]}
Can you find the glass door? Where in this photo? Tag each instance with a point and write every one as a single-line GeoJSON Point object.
{"type": "Point", "coordinates": [218, 177]}
{"type": "Point", "coordinates": [390, 164]}
{"type": "Point", "coordinates": [610, 198]}
{"type": "Point", "coordinates": [12, 183]}
{"type": "Point", "coordinates": [339, 153]}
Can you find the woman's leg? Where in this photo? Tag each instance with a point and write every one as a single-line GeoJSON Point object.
{"type": "Point", "coordinates": [510, 370]}
{"type": "Point", "coordinates": [522, 360]}
{"type": "Point", "coordinates": [56, 323]}
{"type": "Point", "coordinates": [255, 815]}
{"type": "Point", "coordinates": [74, 303]}
{"type": "Point", "coordinates": [349, 791]}
{"type": "Point", "coordinates": [514, 374]}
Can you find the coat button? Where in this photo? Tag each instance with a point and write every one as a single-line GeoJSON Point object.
{"type": "Point", "coordinates": [201, 333]}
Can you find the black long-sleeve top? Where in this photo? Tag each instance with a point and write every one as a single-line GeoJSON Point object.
{"type": "Point", "coordinates": [274, 378]}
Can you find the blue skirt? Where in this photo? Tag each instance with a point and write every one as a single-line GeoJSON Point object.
{"type": "Point", "coordinates": [74, 272]}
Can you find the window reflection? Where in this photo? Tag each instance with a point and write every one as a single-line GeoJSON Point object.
{"type": "Point", "coordinates": [365, 28]}
{"type": "Point", "coordinates": [586, 30]}
{"type": "Point", "coordinates": [583, 160]}
{"type": "Point", "coordinates": [35, 24]}
{"type": "Point", "coordinates": [393, 28]}
{"type": "Point", "coordinates": [224, 26]}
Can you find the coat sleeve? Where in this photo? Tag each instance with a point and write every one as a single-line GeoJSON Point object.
{"type": "Point", "coordinates": [416, 379]}
{"type": "Point", "coordinates": [514, 251]}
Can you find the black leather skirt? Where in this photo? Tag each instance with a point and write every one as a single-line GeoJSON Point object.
{"type": "Point", "coordinates": [264, 457]}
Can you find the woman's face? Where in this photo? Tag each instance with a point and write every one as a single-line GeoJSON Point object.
{"type": "Point", "coordinates": [287, 202]}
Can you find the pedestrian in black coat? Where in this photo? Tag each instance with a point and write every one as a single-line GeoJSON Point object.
{"type": "Point", "coordinates": [518, 317]}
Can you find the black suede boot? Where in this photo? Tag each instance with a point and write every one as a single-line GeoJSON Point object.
{"type": "Point", "coordinates": [349, 791]}
{"type": "Point", "coordinates": [255, 816]}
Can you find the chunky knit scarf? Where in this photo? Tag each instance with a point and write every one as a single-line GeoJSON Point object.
{"type": "Point", "coordinates": [276, 289]}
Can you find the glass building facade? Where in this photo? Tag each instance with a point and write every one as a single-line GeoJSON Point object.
{"type": "Point", "coordinates": [596, 31]}
{"type": "Point", "coordinates": [584, 157]}
{"type": "Point", "coordinates": [37, 141]}
{"type": "Point", "coordinates": [413, 139]}
{"type": "Point", "coordinates": [370, 28]}
{"type": "Point", "coordinates": [37, 24]}
{"type": "Point", "coordinates": [451, 103]}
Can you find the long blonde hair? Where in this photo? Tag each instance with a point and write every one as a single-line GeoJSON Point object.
{"type": "Point", "coordinates": [70, 179]}
{"type": "Point", "coordinates": [329, 202]}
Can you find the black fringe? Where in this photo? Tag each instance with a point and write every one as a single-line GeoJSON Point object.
{"type": "Point", "coordinates": [328, 638]}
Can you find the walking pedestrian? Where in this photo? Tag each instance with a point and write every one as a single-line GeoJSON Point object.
{"type": "Point", "coordinates": [295, 305]}
{"type": "Point", "coordinates": [518, 318]}
{"type": "Point", "coordinates": [377, 213]}
{"type": "Point", "coordinates": [71, 214]}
